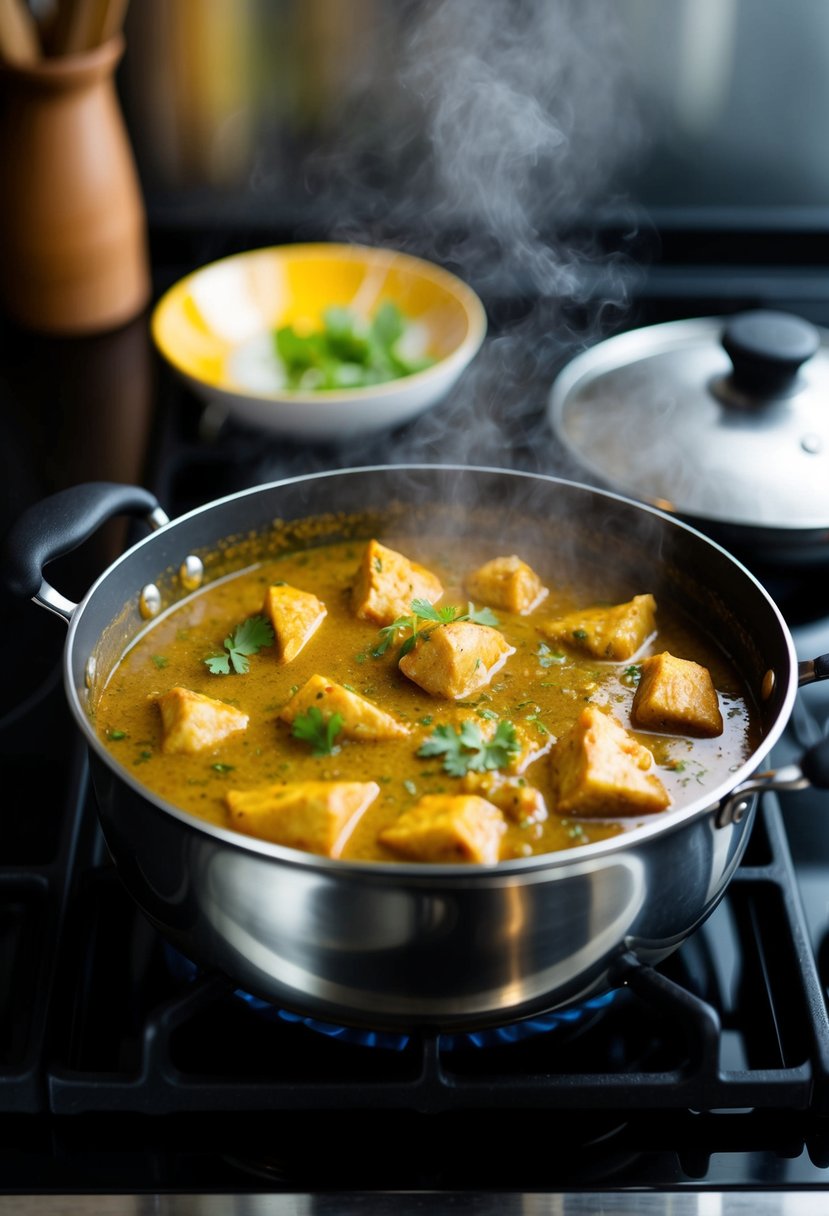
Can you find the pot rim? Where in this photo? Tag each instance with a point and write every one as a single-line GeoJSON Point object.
{"type": "Point", "coordinates": [527, 868]}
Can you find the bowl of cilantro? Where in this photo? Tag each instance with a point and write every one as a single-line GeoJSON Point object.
{"type": "Point", "coordinates": [320, 342]}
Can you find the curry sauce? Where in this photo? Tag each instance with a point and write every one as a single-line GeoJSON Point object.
{"type": "Point", "coordinates": [535, 694]}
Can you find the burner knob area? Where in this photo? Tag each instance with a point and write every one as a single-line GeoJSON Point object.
{"type": "Point", "coordinates": [767, 349]}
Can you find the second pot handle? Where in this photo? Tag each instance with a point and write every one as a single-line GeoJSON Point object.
{"type": "Point", "coordinates": [60, 523]}
{"type": "Point", "coordinates": [811, 770]}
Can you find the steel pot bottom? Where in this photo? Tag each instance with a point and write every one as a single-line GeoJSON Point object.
{"type": "Point", "coordinates": [405, 945]}
{"type": "Point", "coordinates": [366, 946]}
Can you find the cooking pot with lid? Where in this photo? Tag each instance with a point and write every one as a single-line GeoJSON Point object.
{"type": "Point", "coordinates": [722, 421]}
{"type": "Point", "coordinates": [419, 945]}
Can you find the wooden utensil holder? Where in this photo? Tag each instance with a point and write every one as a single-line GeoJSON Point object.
{"type": "Point", "coordinates": [73, 249]}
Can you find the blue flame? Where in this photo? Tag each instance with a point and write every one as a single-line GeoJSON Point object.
{"type": "Point", "coordinates": [495, 1036]}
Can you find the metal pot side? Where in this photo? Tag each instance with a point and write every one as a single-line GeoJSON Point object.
{"type": "Point", "coordinates": [402, 949]}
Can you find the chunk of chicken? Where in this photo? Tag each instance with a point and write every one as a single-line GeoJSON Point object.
{"type": "Point", "coordinates": [317, 816]}
{"type": "Point", "coordinates": [599, 769]}
{"type": "Point", "coordinates": [192, 722]}
{"type": "Point", "coordinates": [456, 659]}
{"type": "Point", "coordinates": [361, 719]}
{"type": "Point", "coordinates": [676, 696]}
{"type": "Point", "coordinates": [295, 615]}
{"type": "Point", "coordinates": [447, 827]}
{"type": "Point", "coordinates": [520, 802]}
{"type": "Point", "coordinates": [616, 632]}
{"type": "Point", "coordinates": [387, 582]}
{"type": "Point", "coordinates": [508, 583]}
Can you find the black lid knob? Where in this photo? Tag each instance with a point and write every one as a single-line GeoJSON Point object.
{"type": "Point", "coordinates": [767, 349]}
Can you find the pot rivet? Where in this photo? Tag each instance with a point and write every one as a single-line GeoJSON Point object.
{"type": "Point", "coordinates": [739, 811]}
{"type": "Point", "coordinates": [191, 572]}
{"type": "Point", "coordinates": [90, 670]}
{"type": "Point", "coordinates": [731, 811]}
{"type": "Point", "coordinates": [812, 444]}
{"type": "Point", "coordinates": [767, 687]}
{"type": "Point", "coordinates": [149, 602]}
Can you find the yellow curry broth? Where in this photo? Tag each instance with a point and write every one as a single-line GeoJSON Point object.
{"type": "Point", "coordinates": [536, 689]}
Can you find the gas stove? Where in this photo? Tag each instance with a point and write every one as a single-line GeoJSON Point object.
{"type": "Point", "coordinates": [125, 1070]}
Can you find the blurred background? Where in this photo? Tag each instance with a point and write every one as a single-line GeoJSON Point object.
{"type": "Point", "coordinates": [585, 165]}
{"type": "Point", "coordinates": [381, 115]}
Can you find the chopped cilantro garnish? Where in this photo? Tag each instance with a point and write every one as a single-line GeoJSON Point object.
{"type": "Point", "coordinates": [347, 352]}
{"type": "Point", "coordinates": [423, 610]}
{"type": "Point", "coordinates": [160, 661]}
{"type": "Point", "coordinates": [311, 727]}
{"type": "Point", "coordinates": [546, 657]}
{"type": "Point", "coordinates": [246, 639]}
{"type": "Point", "coordinates": [539, 725]}
{"type": "Point", "coordinates": [466, 751]}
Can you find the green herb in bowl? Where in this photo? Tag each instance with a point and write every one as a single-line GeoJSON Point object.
{"type": "Point", "coordinates": [347, 352]}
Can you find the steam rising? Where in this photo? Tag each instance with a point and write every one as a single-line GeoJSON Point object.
{"type": "Point", "coordinates": [478, 135]}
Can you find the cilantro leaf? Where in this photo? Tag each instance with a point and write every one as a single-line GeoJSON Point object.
{"type": "Point", "coordinates": [546, 656]}
{"type": "Point", "coordinates": [246, 639]}
{"type": "Point", "coordinates": [424, 610]}
{"type": "Point", "coordinates": [449, 612]}
{"type": "Point", "coordinates": [311, 727]}
{"type": "Point", "coordinates": [481, 616]}
{"type": "Point", "coordinates": [445, 741]}
{"type": "Point", "coordinates": [467, 751]}
{"type": "Point", "coordinates": [388, 634]}
{"type": "Point", "coordinates": [428, 612]}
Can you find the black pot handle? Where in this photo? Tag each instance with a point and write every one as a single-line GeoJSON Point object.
{"type": "Point", "coordinates": [60, 523]}
{"type": "Point", "coordinates": [810, 670]}
{"type": "Point", "coordinates": [812, 769]}
{"type": "Point", "coordinates": [814, 763]}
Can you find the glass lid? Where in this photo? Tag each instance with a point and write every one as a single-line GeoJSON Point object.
{"type": "Point", "coordinates": [719, 418]}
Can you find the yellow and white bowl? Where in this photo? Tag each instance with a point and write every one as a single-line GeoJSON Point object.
{"type": "Point", "coordinates": [216, 326]}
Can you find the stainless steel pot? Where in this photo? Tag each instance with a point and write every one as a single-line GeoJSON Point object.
{"type": "Point", "coordinates": [401, 946]}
